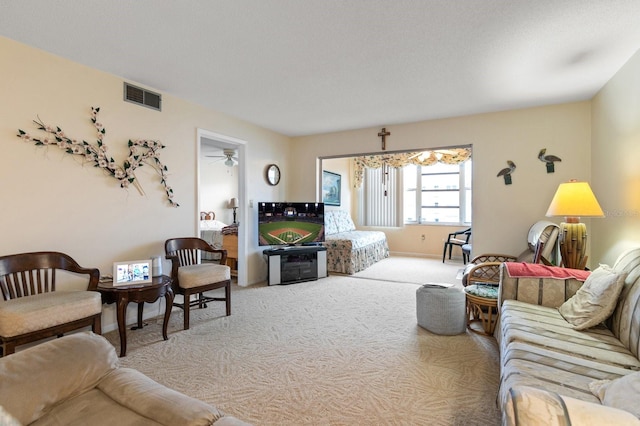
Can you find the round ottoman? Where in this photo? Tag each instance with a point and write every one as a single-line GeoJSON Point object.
{"type": "Point", "coordinates": [441, 309]}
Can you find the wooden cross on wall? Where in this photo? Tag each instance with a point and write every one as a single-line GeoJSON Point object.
{"type": "Point", "coordinates": [383, 134]}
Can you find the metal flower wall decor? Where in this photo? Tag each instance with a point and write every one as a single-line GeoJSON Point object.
{"type": "Point", "coordinates": [140, 152]}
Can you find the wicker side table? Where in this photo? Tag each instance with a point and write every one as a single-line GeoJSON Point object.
{"type": "Point", "coordinates": [441, 309]}
{"type": "Point", "coordinates": [482, 307]}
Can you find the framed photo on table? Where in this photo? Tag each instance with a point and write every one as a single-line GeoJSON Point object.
{"type": "Point", "coordinates": [132, 272]}
{"type": "Point", "coordinates": [331, 185]}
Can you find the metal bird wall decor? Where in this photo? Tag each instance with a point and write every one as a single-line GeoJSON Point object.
{"type": "Point", "coordinates": [506, 172]}
{"type": "Point", "coordinates": [548, 159]}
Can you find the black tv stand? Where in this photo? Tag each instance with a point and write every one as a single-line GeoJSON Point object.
{"type": "Point", "coordinates": [288, 265]}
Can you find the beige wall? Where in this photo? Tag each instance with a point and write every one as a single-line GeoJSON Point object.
{"type": "Point", "coordinates": [218, 184]}
{"type": "Point", "coordinates": [502, 214]}
{"type": "Point", "coordinates": [616, 174]}
{"type": "Point", "coordinates": [341, 166]}
{"type": "Point", "coordinates": [51, 201]}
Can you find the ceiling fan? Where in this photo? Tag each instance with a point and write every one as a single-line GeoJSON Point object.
{"type": "Point", "coordinates": [229, 157]}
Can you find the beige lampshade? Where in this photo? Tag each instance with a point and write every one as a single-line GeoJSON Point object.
{"type": "Point", "coordinates": [574, 199]}
{"type": "Point", "coordinates": [233, 203]}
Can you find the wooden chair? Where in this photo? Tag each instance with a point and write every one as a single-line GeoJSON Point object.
{"type": "Point", "coordinates": [458, 238]}
{"type": "Point", "coordinates": [192, 277]}
{"type": "Point", "coordinates": [32, 309]}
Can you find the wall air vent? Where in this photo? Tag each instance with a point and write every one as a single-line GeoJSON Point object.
{"type": "Point", "coordinates": [142, 97]}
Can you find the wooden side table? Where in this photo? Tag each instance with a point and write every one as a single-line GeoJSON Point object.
{"type": "Point", "coordinates": [139, 293]}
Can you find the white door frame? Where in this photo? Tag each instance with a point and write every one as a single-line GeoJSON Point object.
{"type": "Point", "coordinates": [242, 194]}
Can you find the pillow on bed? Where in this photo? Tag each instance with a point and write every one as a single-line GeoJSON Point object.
{"type": "Point", "coordinates": [595, 301]}
{"type": "Point", "coordinates": [211, 225]}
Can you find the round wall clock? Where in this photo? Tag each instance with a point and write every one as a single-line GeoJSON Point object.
{"type": "Point", "coordinates": [273, 174]}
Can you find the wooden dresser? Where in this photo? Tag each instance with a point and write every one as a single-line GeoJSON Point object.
{"type": "Point", "coordinates": [230, 244]}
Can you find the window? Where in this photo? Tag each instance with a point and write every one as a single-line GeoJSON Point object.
{"type": "Point", "coordinates": [414, 187]}
{"type": "Point", "coordinates": [440, 193]}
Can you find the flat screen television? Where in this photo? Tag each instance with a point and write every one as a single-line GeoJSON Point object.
{"type": "Point", "coordinates": [290, 223]}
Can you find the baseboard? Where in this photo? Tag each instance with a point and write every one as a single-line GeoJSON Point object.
{"type": "Point", "coordinates": [423, 255]}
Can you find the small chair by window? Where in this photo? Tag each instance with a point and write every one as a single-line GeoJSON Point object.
{"type": "Point", "coordinates": [192, 277]}
{"type": "Point", "coordinates": [458, 238]}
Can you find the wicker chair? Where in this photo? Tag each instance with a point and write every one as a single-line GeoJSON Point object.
{"type": "Point", "coordinates": [542, 248]}
{"type": "Point", "coordinates": [191, 277]}
{"type": "Point", "coordinates": [32, 309]}
{"type": "Point", "coordinates": [481, 276]}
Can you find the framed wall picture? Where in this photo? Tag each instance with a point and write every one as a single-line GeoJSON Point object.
{"type": "Point", "coordinates": [331, 188]}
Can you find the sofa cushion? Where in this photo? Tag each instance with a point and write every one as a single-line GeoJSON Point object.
{"type": "Point", "coordinates": [37, 378]}
{"type": "Point", "coordinates": [44, 310]}
{"type": "Point", "coordinates": [546, 328]}
{"type": "Point", "coordinates": [528, 406]}
{"type": "Point", "coordinates": [623, 393]}
{"type": "Point", "coordinates": [595, 301]}
{"type": "Point", "coordinates": [539, 348]}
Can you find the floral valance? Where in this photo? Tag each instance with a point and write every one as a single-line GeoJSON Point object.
{"type": "Point", "coordinates": [401, 159]}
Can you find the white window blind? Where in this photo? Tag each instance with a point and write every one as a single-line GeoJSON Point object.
{"type": "Point", "coordinates": [381, 197]}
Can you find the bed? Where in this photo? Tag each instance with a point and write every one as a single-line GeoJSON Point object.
{"type": "Point", "coordinates": [220, 236]}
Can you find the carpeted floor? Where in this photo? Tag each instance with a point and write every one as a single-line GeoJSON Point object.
{"type": "Point", "coordinates": [337, 351]}
{"type": "Point", "coordinates": [416, 270]}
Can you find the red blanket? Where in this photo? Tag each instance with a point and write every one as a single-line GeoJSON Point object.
{"type": "Point", "coordinates": [533, 270]}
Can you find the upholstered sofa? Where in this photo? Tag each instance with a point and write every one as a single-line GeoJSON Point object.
{"type": "Point", "coordinates": [349, 250]}
{"type": "Point", "coordinates": [569, 343]}
{"type": "Point", "coordinates": [76, 380]}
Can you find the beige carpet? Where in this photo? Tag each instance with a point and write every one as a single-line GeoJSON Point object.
{"type": "Point", "coordinates": [417, 270]}
{"type": "Point", "coordinates": [337, 351]}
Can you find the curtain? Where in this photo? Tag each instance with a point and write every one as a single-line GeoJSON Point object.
{"type": "Point", "coordinates": [398, 160]}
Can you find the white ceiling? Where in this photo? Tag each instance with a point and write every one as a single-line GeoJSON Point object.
{"type": "Point", "coordinates": [303, 67]}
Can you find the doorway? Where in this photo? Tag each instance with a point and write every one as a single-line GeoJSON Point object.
{"type": "Point", "coordinates": [221, 173]}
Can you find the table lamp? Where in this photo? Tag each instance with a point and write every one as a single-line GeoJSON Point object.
{"type": "Point", "coordinates": [573, 200]}
{"type": "Point", "coordinates": [233, 204]}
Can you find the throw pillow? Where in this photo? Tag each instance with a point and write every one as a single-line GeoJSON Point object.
{"type": "Point", "coordinates": [595, 301]}
{"type": "Point", "coordinates": [623, 393]}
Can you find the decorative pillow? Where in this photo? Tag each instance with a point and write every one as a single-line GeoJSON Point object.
{"type": "Point", "coordinates": [330, 226]}
{"type": "Point", "coordinates": [623, 393]}
{"type": "Point", "coordinates": [343, 220]}
{"type": "Point", "coordinates": [595, 301]}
